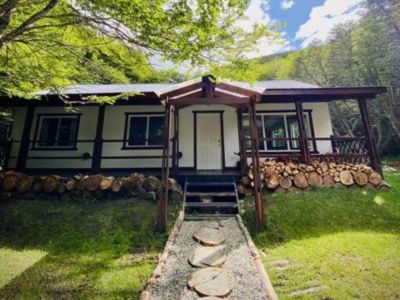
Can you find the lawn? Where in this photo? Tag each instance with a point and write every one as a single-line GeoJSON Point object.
{"type": "Point", "coordinates": [70, 250]}
{"type": "Point", "coordinates": [332, 244]}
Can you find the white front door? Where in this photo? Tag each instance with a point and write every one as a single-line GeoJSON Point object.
{"type": "Point", "coordinates": [208, 145]}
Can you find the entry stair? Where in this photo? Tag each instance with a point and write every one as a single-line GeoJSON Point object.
{"type": "Point", "coordinates": [206, 196]}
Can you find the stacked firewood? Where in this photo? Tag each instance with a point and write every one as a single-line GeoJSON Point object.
{"type": "Point", "coordinates": [291, 176]}
{"type": "Point", "coordinates": [88, 186]}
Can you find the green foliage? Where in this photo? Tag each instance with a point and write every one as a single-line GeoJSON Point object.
{"type": "Point", "coordinates": [366, 53]}
{"type": "Point", "coordinates": [56, 43]}
{"type": "Point", "coordinates": [346, 240]}
{"type": "Point", "coordinates": [78, 250]}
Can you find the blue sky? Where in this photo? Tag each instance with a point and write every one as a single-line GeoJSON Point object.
{"type": "Point", "coordinates": [306, 21]}
{"type": "Point", "coordinates": [293, 15]}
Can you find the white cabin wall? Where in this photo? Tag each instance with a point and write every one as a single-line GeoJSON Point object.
{"type": "Point", "coordinates": [322, 124]}
{"type": "Point", "coordinates": [114, 126]}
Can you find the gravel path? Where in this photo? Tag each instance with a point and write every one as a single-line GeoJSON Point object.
{"type": "Point", "coordinates": [172, 284]}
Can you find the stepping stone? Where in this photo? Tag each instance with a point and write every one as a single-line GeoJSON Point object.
{"type": "Point", "coordinates": [208, 236]}
{"type": "Point", "coordinates": [215, 282]}
{"type": "Point", "coordinates": [205, 256]}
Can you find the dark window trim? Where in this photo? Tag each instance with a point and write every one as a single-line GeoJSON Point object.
{"type": "Point", "coordinates": [35, 137]}
{"type": "Point", "coordinates": [221, 117]}
{"type": "Point", "coordinates": [125, 145]}
{"type": "Point", "coordinates": [290, 111]}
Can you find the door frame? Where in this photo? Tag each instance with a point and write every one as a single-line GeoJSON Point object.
{"type": "Point", "coordinates": [221, 119]}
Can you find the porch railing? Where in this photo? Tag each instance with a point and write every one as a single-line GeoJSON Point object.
{"type": "Point", "coordinates": [344, 149]}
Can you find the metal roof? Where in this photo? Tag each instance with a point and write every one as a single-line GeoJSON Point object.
{"type": "Point", "coordinates": [157, 88]}
{"type": "Point", "coordinates": [106, 89]}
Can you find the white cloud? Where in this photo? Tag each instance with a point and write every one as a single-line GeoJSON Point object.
{"type": "Point", "coordinates": [287, 4]}
{"type": "Point", "coordinates": [324, 18]}
{"type": "Point", "coordinates": [257, 12]}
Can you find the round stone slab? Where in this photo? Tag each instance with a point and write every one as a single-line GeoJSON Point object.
{"type": "Point", "coordinates": [215, 282]}
{"type": "Point", "coordinates": [206, 256]}
{"type": "Point", "coordinates": [208, 236]}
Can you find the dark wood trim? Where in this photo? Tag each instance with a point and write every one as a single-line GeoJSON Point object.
{"type": "Point", "coordinates": [25, 140]}
{"type": "Point", "coordinates": [305, 153]}
{"type": "Point", "coordinates": [369, 134]}
{"type": "Point", "coordinates": [74, 147]}
{"type": "Point", "coordinates": [260, 214]}
{"type": "Point", "coordinates": [147, 113]}
{"type": "Point", "coordinates": [141, 147]}
{"type": "Point", "coordinates": [221, 113]}
{"type": "Point", "coordinates": [280, 111]}
{"type": "Point", "coordinates": [162, 204]}
{"type": "Point", "coordinates": [98, 142]}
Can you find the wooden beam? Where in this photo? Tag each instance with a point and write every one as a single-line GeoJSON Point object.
{"type": "Point", "coordinates": [369, 134]}
{"type": "Point", "coordinates": [25, 139]}
{"type": "Point", "coordinates": [303, 139]}
{"type": "Point", "coordinates": [260, 215]}
{"type": "Point", "coordinates": [183, 90]}
{"type": "Point", "coordinates": [207, 101]}
{"type": "Point", "coordinates": [98, 142]}
{"type": "Point", "coordinates": [238, 90]}
{"type": "Point", "coordinates": [162, 205]}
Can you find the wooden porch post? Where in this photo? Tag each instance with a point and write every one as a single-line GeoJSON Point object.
{"type": "Point", "coordinates": [163, 201]}
{"type": "Point", "coordinates": [25, 140]}
{"type": "Point", "coordinates": [98, 142]}
{"type": "Point", "coordinates": [305, 152]}
{"type": "Point", "coordinates": [369, 135]}
{"type": "Point", "coordinates": [242, 143]}
{"type": "Point", "coordinates": [260, 215]}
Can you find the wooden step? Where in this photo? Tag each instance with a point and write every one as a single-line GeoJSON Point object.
{"type": "Point", "coordinates": [211, 204]}
{"type": "Point", "coordinates": [199, 183]}
{"type": "Point", "coordinates": [211, 194]}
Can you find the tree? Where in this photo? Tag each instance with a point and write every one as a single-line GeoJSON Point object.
{"type": "Point", "coordinates": [51, 43]}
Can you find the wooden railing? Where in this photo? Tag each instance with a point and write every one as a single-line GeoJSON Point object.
{"type": "Point", "coordinates": [344, 149]}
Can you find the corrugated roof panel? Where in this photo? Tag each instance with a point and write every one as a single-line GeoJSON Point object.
{"type": "Point", "coordinates": [89, 89]}
{"type": "Point", "coordinates": [104, 89]}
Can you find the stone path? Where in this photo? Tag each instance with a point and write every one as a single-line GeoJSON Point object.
{"type": "Point", "coordinates": [210, 259]}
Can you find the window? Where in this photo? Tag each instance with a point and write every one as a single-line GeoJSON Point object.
{"type": "Point", "coordinates": [144, 131]}
{"type": "Point", "coordinates": [57, 131]}
{"type": "Point", "coordinates": [274, 128]}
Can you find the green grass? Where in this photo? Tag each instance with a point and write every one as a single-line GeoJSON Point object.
{"type": "Point", "coordinates": [346, 241]}
{"type": "Point", "coordinates": [65, 250]}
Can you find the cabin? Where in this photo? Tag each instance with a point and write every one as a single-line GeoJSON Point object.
{"type": "Point", "coordinates": [202, 127]}
{"type": "Point", "coordinates": [209, 127]}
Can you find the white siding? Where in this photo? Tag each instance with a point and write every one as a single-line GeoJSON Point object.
{"type": "Point", "coordinates": [114, 124]}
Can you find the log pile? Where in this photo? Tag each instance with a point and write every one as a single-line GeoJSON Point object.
{"type": "Point", "coordinates": [291, 176]}
{"type": "Point", "coordinates": [97, 186]}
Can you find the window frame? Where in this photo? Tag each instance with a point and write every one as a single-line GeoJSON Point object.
{"type": "Point", "coordinates": [285, 114]}
{"type": "Point", "coordinates": [148, 115]}
{"type": "Point", "coordinates": [38, 128]}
